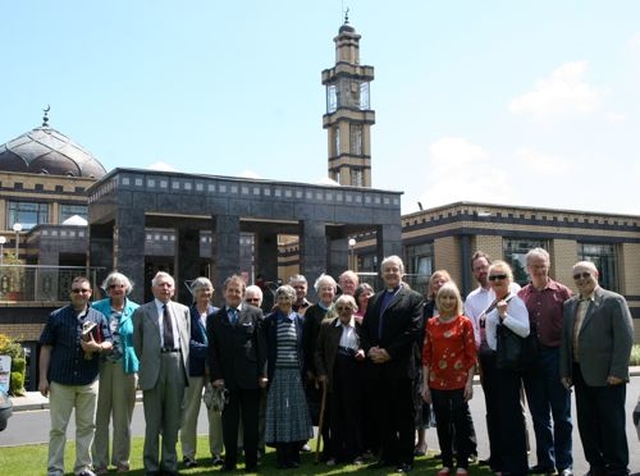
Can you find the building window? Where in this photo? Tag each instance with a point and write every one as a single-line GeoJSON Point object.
{"type": "Point", "coordinates": [419, 265]}
{"type": "Point", "coordinates": [336, 140]}
{"type": "Point", "coordinates": [28, 214]}
{"type": "Point", "coordinates": [355, 133]}
{"type": "Point", "coordinates": [604, 257]}
{"type": "Point", "coordinates": [514, 253]}
{"type": "Point", "coordinates": [364, 96]}
{"type": "Point", "coordinates": [357, 178]}
{"type": "Point", "coordinates": [332, 98]}
{"type": "Point", "coordinates": [67, 211]}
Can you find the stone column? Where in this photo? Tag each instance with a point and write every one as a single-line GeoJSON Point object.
{"type": "Point", "coordinates": [225, 250]}
{"type": "Point", "coordinates": [101, 239]}
{"type": "Point", "coordinates": [128, 248]}
{"type": "Point", "coordinates": [388, 241]}
{"type": "Point", "coordinates": [313, 251]}
{"type": "Point", "coordinates": [338, 256]}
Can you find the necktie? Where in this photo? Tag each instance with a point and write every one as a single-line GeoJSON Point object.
{"type": "Point", "coordinates": [233, 316]}
{"type": "Point", "coordinates": [167, 328]}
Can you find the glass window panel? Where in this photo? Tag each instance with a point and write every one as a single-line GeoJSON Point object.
{"type": "Point", "coordinates": [514, 251]}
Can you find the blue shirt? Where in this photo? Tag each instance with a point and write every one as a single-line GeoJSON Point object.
{"type": "Point", "coordinates": [63, 332]}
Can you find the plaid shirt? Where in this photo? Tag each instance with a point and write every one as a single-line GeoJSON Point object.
{"type": "Point", "coordinates": [63, 332]}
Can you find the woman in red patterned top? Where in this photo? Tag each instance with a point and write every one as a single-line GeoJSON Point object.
{"type": "Point", "coordinates": [448, 361]}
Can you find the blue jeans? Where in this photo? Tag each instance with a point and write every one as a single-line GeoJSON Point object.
{"type": "Point", "coordinates": [547, 397]}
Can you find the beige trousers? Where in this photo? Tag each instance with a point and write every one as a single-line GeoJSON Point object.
{"type": "Point", "coordinates": [116, 400]}
{"type": "Point", "coordinates": [190, 410]}
{"type": "Point", "coordinates": [62, 400]}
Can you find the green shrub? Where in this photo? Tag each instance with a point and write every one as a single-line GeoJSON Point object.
{"type": "Point", "coordinates": [19, 365]}
{"type": "Point", "coordinates": [17, 383]}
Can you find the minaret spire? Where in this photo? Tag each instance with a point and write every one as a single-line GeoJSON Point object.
{"type": "Point", "coordinates": [349, 117]}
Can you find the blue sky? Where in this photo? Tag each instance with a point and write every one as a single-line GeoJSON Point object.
{"type": "Point", "coordinates": [531, 103]}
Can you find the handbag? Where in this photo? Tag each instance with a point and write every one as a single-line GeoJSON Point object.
{"type": "Point", "coordinates": [510, 348]}
{"type": "Point", "coordinates": [514, 352]}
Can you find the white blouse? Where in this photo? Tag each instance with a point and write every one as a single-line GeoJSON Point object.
{"type": "Point", "coordinates": [517, 320]}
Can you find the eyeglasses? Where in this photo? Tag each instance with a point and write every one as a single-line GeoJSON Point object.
{"type": "Point", "coordinates": [584, 275]}
{"type": "Point", "coordinates": [343, 308]}
{"type": "Point", "coordinates": [497, 276]}
{"type": "Point", "coordinates": [116, 286]}
{"type": "Point", "coordinates": [252, 299]}
{"type": "Point", "coordinates": [80, 290]}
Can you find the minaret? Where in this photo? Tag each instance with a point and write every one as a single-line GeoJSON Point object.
{"type": "Point", "coordinates": [348, 118]}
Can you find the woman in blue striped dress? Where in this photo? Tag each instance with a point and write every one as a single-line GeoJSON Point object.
{"type": "Point", "coordinates": [288, 420]}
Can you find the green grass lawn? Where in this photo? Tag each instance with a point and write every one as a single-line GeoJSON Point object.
{"type": "Point", "coordinates": [32, 459]}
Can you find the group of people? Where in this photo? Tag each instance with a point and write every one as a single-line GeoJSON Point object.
{"type": "Point", "coordinates": [369, 368]}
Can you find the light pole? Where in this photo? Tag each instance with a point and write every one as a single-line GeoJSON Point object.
{"type": "Point", "coordinates": [3, 240]}
{"type": "Point", "coordinates": [17, 227]}
{"type": "Point", "coordinates": [352, 261]}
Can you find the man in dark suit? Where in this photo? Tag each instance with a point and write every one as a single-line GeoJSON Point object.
{"type": "Point", "coordinates": [237, 362]}
{"type": "Point", "coordinates": [597, 336]}
{"type": "Point", "coordinates": [389, 334]}
{"type": "Point", "coordinates": [161, 330]}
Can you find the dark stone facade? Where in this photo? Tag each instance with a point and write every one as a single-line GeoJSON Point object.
{"type": "Point", "coordinates": [127, 201]}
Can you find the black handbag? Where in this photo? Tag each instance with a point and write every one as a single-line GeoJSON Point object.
{"type": "Point", "coordinates": [510, 349]}
{"type": "Point", "coordinates": [514, 352]}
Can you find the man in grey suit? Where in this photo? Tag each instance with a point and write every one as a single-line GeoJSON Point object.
{"type": "Point", "coordinates": [597, 336]}
{"type": "Point", "coordinates": [161, 340]}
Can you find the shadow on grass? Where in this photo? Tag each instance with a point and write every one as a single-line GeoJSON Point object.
{"type": "Point", "coordinates": [32, 459]}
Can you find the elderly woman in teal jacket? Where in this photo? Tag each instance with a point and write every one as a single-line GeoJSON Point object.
{"type": "Point", "coordinates": [118, 377]}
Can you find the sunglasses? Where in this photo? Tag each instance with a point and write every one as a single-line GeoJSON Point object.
{"type": "Point", "coordinates": [252, 299]}
{"type": "Point", "coordinates": [343, 308]}
{"type": "Point", "coordinates": [116, 286]}
{"type": "Point", "coordinates": [80, 290]}
{"type": "Point", "coordinates": [584, 275]}
{"type": "Point", "coordinates": [497, 276]}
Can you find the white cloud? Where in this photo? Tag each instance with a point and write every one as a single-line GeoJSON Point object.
{"type": "Point", "coordinates": [634, 41]}
{"type": "Point", "coordinates": [564, 92]}
{"type": "Point", "coordinates": [542, 164]}
{"type": "Point", "coordinates": [459, 170]}
{"type": "Point", "coordinates": [162, 167]}
{"type": "Point", "coordinates": [615, 118]}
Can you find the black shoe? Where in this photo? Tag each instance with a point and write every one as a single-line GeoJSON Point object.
{"type": "Point", "coordinates": [227, 468]}
{"type": "Point", "coordinates": [539, 469]}
{"type": "Point", "coordinates": [379, 464]}
{"type": "Point", "coordinates": [218, 460]}
{"type": "Point", "coordinates": [484, 462]}
{"type": "Point", "coordinates": [189, 462]}
{"type": "Point", "coordinates": [251, 469]}
{"type": "Point", "coordinates": [404, 468]}
{"type": "Point", "coordinates": [565, 472]}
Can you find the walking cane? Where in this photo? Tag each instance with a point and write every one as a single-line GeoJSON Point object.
{"type": "Point", "coordinates": [321, 420]}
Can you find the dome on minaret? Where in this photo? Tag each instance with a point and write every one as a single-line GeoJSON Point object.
{"type": "Point", "coordinates": [44, 150]}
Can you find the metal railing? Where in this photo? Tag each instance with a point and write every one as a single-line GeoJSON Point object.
{"type": "Point", "coordinates": [36, 283]}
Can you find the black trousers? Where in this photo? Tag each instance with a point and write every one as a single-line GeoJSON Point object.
{"type": "Point", "coordinates": [345, 439]}
{"type": "Point", "coordinates": [451, 417]}
{"type": "Point", "coordinates": [601, 422]}
{"type": "Point", "coordinates": [395, 412]}
{"type": "Point", "coordinates": [487, 359]}
{"type": "Point", "coordinates": [249, 402]}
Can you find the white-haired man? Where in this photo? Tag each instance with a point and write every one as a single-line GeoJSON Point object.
{"type": "Point", "coordinates": [597, 336]}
